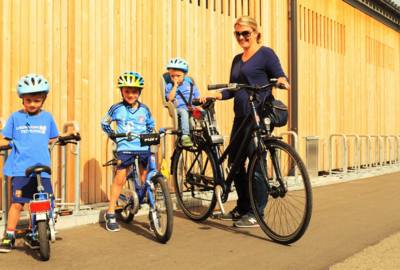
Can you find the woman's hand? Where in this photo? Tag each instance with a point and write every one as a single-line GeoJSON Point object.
{"type": "Point", "coordinates": [216, 95]}
{"type": "Point", "coordinates": [283, 82]}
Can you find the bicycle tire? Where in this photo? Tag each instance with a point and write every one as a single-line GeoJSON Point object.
{"type": "Point", "coordinates": [128, 208]}
{"type": "Point", "coordinates": [162, 232]}
{"type": "Point", "coordinates": [287, 214]}
{"type": "Point", "coordinates": [195, 194]}
{"type": "Point", "coordinates": [44, 241]}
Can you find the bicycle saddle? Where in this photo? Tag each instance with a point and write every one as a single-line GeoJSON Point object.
{"type": "Point", "coordinates": [37, 170]}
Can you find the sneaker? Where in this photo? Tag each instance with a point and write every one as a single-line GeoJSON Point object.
{"type": "Point", "coordinates": [233, 215]}
{"type": "Point", "coordinates": [31, 242]}
{"type": "Point", "coordinates": [186, 141]}
{"type": "Point", "coordinates": [7, 244]}
{"type": "Point", "coordinates": [246, 221]}
{"type": "Point", "coordinates": [111, 222]}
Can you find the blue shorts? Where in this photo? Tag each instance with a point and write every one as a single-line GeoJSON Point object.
{"type": "Point", "coordinates": [127, 158]}
{"type": "Point", "coordinates": [23, 188]}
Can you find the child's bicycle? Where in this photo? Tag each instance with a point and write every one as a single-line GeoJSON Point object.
{"type": "Point", "coordinates": [154, 191]}
{"type": "Point", "coordinates": [42, 206]}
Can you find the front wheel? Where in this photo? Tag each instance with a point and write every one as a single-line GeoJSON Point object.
{"type": "Point", "coordinates": [280, 192]}
{"type": "Point", "coordinates": [161, 217]}
{"type": "Point", "coordinates": [194, 171]}
{"type": "Point", "coordinates": [43, 237]}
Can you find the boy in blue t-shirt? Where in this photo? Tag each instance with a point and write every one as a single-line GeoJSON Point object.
{"type": "Point", "coordinates": [130, 116]}
{"type": "Point", "coordinates": [181, 91]}
{"type": "Point", "coordinates": [29, 132]}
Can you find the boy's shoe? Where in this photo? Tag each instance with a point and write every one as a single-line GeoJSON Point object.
{"type": "Point", "coordinates": [231, 215]}
{"type": "Point", "coordinates": [7, 244]}
{"type": "Point", "coordinates": [246, 221]}
{"type": "Point", "coordinates": [111, 222]}
{"type": "Point", "coordinates": [186, 141]}
{"type": "Point", "coordinates": [31, 242]}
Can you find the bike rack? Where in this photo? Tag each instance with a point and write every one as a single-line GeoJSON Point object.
{"type": "Point", "coordinates": [295, 138]}
{"type": "Point", "coordinates": [357, 157]}
{"type": "Point", "coordinates": [368, 150]}
{"type": "Point", "coordinates": [4, 195]}
{"type": "Point", "coordinates": [389, 142]}
{"type": "Point", "coordinates": [77, 154]}
{"type": "Point", "coordinates": [344, 162]}
{"type": "Point", "coordinates": [398, 149]}
{"type": "Point", "coordinates": [378, 150]}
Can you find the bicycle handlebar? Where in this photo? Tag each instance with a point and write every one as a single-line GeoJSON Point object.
{"type": "Point", "coordinates": [237, 86]}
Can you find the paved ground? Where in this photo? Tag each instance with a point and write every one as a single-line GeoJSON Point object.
{"type": "Point", "coordinates": [347, 218]}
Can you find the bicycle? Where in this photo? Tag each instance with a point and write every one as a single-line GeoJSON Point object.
{"type": "Point", "coordinates": [153, 191]}
{"type": "Point", "coordinates": [42, 207]}
{"type": "Point", "coordinates": [281, 196]}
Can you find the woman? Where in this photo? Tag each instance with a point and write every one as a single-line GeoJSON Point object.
{"type": "Point", "coordinates": [254, 66]}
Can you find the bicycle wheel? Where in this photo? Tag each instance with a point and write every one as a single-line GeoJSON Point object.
{"type": "Point", "coordinates": [194, 173]}
{"type": "Point", "coordinates": [280, 192]}
{"type": "Point", "coordinates": [127, 205]}
{"type": "Point", "coordinates": [43, 237]}
{"type": "Point", "coordinates": [161, 221]}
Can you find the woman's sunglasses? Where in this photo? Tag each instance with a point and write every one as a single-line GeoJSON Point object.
{"type": "Point", "coordinates": [244, 34]}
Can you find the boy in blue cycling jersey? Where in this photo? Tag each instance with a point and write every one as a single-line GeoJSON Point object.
{"type": "Point", "coordinates": [132, 116]}
{"type": "Point", "coordinates": [181, 91]}
{"type": "Point", "coordinates": [29, 132]}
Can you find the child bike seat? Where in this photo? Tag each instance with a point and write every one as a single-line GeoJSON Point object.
{"type": "Point", "coordinates": [37, 170]}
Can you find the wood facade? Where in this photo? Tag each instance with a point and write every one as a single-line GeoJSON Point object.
{"type": "Point", "coordinates": [348, 64]}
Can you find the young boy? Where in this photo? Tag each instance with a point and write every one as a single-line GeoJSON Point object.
{"type": "Point", "coordinates": [29, 131]}
{"type": "Point", "coordinates": [130, 116]}
{"type": "Point", "coordinates": [181, 91]}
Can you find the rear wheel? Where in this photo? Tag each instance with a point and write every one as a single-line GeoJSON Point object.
{"type": "Point", "coordinates": [194, 172]}
{"type": "Point", "coordinates": [280, 192]}
{"type": "Point", "coordinates": [161, 218]}
{"type": "Point", "coordinates": [43, 238]}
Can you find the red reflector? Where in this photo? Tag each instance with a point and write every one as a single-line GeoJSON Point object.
{"type": "Point", "coordinates": [197, 114]}
{"type": "Point", "coordinates": [40, 206]}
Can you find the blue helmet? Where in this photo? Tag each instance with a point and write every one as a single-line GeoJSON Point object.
{"type": "Point", "coordinates": [31, 84]}
{"type": "Point", "coordinates": [178, 63]}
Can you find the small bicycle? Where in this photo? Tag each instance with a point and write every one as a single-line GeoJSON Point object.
{"type": "Point", "coordinates": [154, 191]}
{"type": "Point", "coordinates": [42, 206]}
{"type": "Point", "coordinates": [278, 183]}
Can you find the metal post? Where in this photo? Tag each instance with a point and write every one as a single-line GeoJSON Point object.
{"type": "Point", "coordinates": [344, 162]}
{"type": "Point", "coordinates": [4, 201]}
{"type": "Point", "coordinates": [398, 149]}
{"type": "Point", "coordinates": [77, 153]}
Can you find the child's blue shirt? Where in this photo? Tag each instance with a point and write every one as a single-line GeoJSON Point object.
{"type": "Point", "coordinates": [30, 135]}
{"type": "Point", "coordinates": [184, 88]}
{"type": "Point", "coordinates": [128, 119]}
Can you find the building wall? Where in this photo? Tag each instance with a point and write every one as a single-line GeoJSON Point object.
{"type": "Point", "coordinates": [349, 76]}
{"type": "Point", "coordinates": [82, 46]}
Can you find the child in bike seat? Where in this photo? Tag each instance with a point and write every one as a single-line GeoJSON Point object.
{"type": "Point", "coordinates": [29, 132]}
{"type": "Point", "coordinates": [132, 116]}
{"type": "Point", "coordinates": [181, 90]}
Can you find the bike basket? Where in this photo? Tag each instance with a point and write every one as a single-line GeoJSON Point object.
{"type": "Point", "coordinates": [149, 139]}
{"type": "Point", "coordinates": [39, 206]}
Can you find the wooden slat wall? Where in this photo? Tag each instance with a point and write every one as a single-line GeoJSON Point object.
{"type": "Point", "coordinates": [81, 46]}
{"type": "Point", "coordinates": [349, 74]}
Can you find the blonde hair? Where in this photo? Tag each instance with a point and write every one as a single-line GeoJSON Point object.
{"type": "Point", "coordinates": [251, 22]}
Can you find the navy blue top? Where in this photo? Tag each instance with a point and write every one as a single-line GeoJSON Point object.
{"type": "Point", "coordinates": [257, 70]}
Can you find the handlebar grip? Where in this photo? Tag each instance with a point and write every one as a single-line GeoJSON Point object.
{"type": "Point", "coordinates": [217, 86]}
{"type": "Point", "coordinates": [118, 135]}
{"type": "Point", "coordinates": [5, 147]}
{"type": "Point", "coordinates": [72, 137]}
